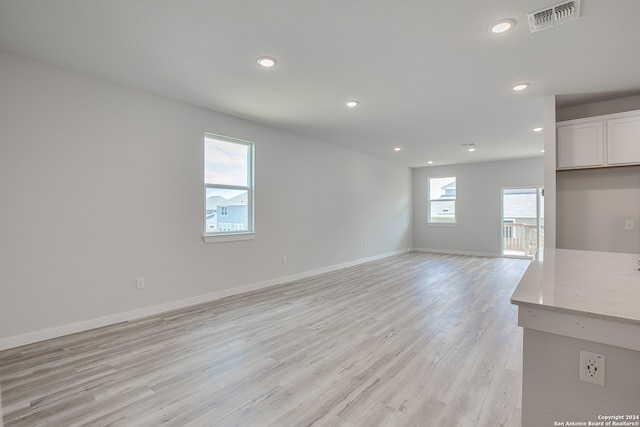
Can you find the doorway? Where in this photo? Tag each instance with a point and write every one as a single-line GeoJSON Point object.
{"type": "Point", "coordinates": [522, 221]}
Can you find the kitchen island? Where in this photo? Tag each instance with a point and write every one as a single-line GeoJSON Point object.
{"type": "Point", "coordinates": [570, 302]}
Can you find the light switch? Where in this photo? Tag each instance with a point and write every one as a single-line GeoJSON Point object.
{"type": "Point", "coordinates": [628, 224]}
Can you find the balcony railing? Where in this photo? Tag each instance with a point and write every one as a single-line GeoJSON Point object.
{"type": "Point", "coordinates": [521, 239]}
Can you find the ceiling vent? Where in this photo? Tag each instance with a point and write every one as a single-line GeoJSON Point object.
{"type": "Point", "coordinates": [554, 15]}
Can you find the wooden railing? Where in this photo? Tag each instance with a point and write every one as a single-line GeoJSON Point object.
{"type": "Point", "coordinates": [521, 239]}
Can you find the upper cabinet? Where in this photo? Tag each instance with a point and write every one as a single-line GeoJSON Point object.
{"type": "Point", "coordinates": [611, 140]}
{"type": "Point", "coordinates": [580, 145]}
{"type": "Point", "coordinates": [623, 137]}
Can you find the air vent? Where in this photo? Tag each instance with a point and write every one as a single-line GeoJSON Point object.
{"type": "Point", "coordinates": [554, 15]}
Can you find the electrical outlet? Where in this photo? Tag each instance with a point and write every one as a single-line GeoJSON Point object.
{"type": "Point", "coordinates": [592, 367]}
{"type": "Point", "coordinates": [284, 259]}
{"type": "Point", "coordinates": [140, 283]}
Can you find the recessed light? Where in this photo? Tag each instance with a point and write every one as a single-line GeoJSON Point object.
{"type": "Point", "coordinates": [521, 86]}
{"type": "Point", "coordinates": [353, 104]}
{"type": "Point", "coordinates": [430, 162]}
{"type": "Point", "coordinates": [471, 149]}
{"type": "Point", "coordinates": [502, 26]}
{"type": "Point", "coordinates": [537, 129]}
{"type": "Point", "coordinates": [542, 151]}
{"type": "Point", "coordinates": [396, 149]}
{"type": "Point", "coordinates": [267, 61]}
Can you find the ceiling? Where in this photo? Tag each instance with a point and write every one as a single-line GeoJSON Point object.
{"type": "Point", "coordinates": [429, 75]}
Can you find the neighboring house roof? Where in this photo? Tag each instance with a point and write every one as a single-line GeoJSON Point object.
{"type": "Point", "coordinates": [214, 201]}
{"type": "Point", "coordinates": [450, 186]}
{"type": "Point", "coordinates": [240, 199]}
{"type": "Point", "coordinates": [449, 191]}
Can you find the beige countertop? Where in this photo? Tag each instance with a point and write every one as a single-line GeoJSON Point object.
{"type": "Point", "coordinates": [596, 284]}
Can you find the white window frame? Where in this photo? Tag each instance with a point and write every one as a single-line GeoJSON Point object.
{"type": "Point", "coordinates": [228, 236]}
{"type": "Point", "coordinates": [431, 221]}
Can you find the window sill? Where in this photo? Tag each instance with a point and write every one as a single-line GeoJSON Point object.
{"type": "Point", "coordinates": [442, 224]}
{"type": "Point", "coordinates": [230, 237]}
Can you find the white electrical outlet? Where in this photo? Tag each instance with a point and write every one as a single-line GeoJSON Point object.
{"type": "Point", "coordinates": [592, 367]}
{"type": "Point", "coordinates": [140, 283]}
{"type": "Point", "coordinates": [284, 259]}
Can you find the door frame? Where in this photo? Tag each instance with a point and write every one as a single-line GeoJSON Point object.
{"type": "Point", "coordinates": [539, 192]}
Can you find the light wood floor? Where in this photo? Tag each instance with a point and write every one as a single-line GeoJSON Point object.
{"type": "Point", "coordinates": [413, 340]}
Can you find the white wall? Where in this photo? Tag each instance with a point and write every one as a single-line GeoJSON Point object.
{"type": "Point", "coordinates": [101, 184]}
{"type": "Point", "coordinates": [592, 207]}
{"type": "Point", "coordinates": [551, 388]}
{"type": "Point", "coordinates": [478, 204]}
{"type": "Point", "coordinates": [600, 108]}
{"type": "Point", "coordinates": [550, 197]}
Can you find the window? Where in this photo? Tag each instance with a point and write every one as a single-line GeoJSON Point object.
{"type": "Point", "coordinates": [228, 180]}
{"type": "Point", "coordinates": [442, 200]}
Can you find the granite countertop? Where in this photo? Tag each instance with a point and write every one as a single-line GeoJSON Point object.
{"type": "Point", "coordinates": [600, 284]}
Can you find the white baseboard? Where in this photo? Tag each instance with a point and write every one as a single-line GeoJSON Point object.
{"type": "Point", "coordinates": [456, 252]}
{"type": "Point", "coordinates": [45, 334]}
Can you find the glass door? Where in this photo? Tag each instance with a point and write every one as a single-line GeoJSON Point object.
{"type": "Point", "coordinates": [522, 221]}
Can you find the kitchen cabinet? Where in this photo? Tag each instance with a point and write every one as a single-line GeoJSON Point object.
{"type": "Point", "coordinates": [581, 145]}
{"type": "Point", "coordinates": [611, 140]}
{"type": "Point", "coordinates": [623, 136]}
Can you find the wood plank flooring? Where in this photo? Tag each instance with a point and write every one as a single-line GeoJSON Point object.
{"type": "Point", "coordinates": [416, 339]}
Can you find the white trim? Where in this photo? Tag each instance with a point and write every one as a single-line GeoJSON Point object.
{"type": "Point", "coordinates": [456, 252]}
{"type": "Point", "coordinates": [518, 257]}
{"type": "Point", "coordinates": [579, 325]}
{"type": "Point", "coordinates": [249, 187]}
{"type": "Point", "coordinates": [231, 237]}
{"type": "Point", "coordinates": [45, 334]}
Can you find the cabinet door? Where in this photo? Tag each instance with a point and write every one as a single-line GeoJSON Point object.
{"type": "Point", "coordinates": [623, 141]}
{"type": "Point", "coordinates": [581, 145]}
